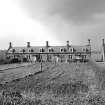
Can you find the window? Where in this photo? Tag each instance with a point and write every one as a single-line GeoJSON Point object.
{"type": "Point", "coordinates": [23, 50]}
{"type": "Point", "coordinates": [87, 50]}
{"type": "Point", "coordinates": [83, 56]}
{"type": "Point", "coordinates": [71, 49]}
{"type": "Point", "coordinates": [51, 50]}
{"type": "Point", "coordinates": [84, 49]}
{"type": "Point", "coordinates": [32, 50]}
{"type": "Point", "coordinates": [29, 56]}
{"type": "Point", "coordinates": [61, 50]}
{"type": "Point", "coordinates": [41, 50]}
{"type": "Point", "coordinates": [64, 50]}
{"type": "Point", "coordinates": [70, 56]}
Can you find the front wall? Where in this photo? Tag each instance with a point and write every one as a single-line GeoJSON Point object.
{"type": "Point", "coordinates": [49, 57]}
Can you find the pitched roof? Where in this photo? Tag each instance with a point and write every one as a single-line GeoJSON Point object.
{"type": "Point", "coordinates": [36, 49]}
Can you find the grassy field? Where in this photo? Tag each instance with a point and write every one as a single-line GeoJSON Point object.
{"type": "Point", "coordinates": [57, 84]}
{"type": "Point", "coordinates": [11, 72]}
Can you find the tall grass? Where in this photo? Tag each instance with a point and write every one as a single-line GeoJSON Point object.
{"type": "Point", "coordinates": [3, 57]}
{"type": "Point", "coordinates": [48, 98]}
{"type": "Point", "coordinates": [48, 89]}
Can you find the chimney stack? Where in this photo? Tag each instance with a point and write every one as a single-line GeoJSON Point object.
{"type": "Point", "coordinates": [67, 44]}
{"type": "Point", "coordinates": [10, 45]}
{"type": "Point", "coordinates": [47, 44]}
{"type": "Point", "coordinates": [28, 44]}
{"type": "Point", "coordinates": [88, 41]}
{"type": "Point", "coordinates": [103, 42]}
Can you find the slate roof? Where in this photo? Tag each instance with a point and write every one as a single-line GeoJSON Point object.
{"type": "Point", "coordinates": [56, 49]}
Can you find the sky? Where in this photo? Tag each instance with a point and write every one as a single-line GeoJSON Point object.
{"type": "Point", "coordinates": [57, 21]}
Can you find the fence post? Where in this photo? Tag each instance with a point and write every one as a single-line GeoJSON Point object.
{"type": "Point", "coordinates": [41, 64]}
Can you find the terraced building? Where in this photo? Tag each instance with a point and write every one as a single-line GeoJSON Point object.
{"type": "Point", "coordinates": [47, 53]}
{"type": "Point", "coordinates": [103, 50]}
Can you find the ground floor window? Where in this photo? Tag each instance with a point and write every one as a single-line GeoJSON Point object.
{"type": "Point", "coordinates": [70, 56]}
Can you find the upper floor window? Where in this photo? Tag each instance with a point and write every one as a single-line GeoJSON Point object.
{"type": "Point", "coordinates": [23, 51]}
{"type": "Point", "coordinates": [42, 50]}
{"type": "Point", "coordinates": [84, 49]}
{"type": "Point", "coordinates": [32, 50]}
{"type": "Point", "coordinates": [87, 49]}
{"type": "Point", "coordinates": [61, 50]}
{"type": "Point", "coordinates": [71, 49]}
{"type": "Point", "coordinates": [51, 50]}
{"type": "Point", "coordinates": [64, 50]}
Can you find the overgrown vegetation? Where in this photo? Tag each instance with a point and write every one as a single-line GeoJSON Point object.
{"type": "Point", "coordinates": [48, 98]}
{"type": "Point", "coordinates": [3, 59]}
{"type": "Point", "coordinates": [63, 84]}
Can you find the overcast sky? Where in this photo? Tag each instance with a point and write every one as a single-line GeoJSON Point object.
{"type": "Point", "coordinates": [53, 20]}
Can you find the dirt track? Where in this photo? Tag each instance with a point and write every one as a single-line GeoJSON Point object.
{"type": "Point", "coordinates": [15, 71]}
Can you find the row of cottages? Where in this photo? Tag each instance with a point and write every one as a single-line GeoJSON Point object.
{"type": "Point", "coordinates": [67, 53]}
